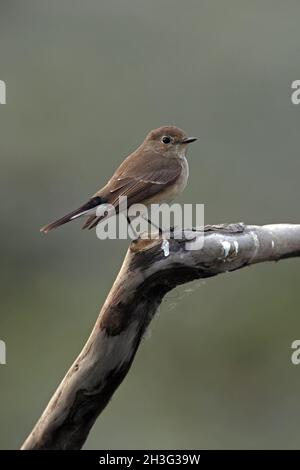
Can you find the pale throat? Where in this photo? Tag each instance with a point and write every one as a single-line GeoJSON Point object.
{"type": "Point", "coordinates": [181, 151]}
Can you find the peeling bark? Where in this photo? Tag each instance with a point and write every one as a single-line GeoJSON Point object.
{"type": "Point", "coordinates": [151, 268]}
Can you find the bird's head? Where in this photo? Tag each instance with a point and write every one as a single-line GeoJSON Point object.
{"type": "Point", "coordinates": [170, 141]}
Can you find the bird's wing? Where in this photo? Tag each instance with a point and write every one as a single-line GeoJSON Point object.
{"type": "Point", "coordinates": [139, 178]}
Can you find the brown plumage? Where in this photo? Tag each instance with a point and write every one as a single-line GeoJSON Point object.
{"type": "Point", "coordinates": [156, 172]}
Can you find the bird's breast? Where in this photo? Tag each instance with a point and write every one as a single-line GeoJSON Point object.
{"type": "Point", "coordinates": [174, 190]}
{"type": "Point", "coordinates": [182, 180]}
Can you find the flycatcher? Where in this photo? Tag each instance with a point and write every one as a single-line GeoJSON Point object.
{"type": "Point", "coordinates": [156, 172]}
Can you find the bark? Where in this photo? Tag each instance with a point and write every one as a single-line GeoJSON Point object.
{"type": "Point", "coordinates": [151, 268]}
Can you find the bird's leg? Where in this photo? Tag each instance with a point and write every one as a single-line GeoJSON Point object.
{"type": "Point", "coordinates": [130, 226]}
{"type": "Point", "coordinates": [154, 225]}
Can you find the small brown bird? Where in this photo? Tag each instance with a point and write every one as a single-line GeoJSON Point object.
{"type": "Point", "coordinates": [156, 172]}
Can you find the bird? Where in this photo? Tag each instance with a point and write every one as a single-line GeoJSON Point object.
{"type": "Point", "coordinates": [156, 172]}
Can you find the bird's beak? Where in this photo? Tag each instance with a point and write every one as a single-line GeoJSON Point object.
{"type": "Point", "coordinates": [188, 140]}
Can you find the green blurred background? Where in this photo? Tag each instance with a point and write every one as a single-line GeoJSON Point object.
{"type": "Point", "coordinates": [85, 82]}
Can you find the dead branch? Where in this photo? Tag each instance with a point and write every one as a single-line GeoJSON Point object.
{"type": "Point", "coordinates": [151, 268]}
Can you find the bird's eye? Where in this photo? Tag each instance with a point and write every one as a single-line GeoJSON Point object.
{"type": "Point", "coordinates": [166, 139]}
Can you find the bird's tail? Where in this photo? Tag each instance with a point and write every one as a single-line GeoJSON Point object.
{"type": "Point", "coordinates": [89, 223]}
{"type": "Point", "coordinates": [82, 210]}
